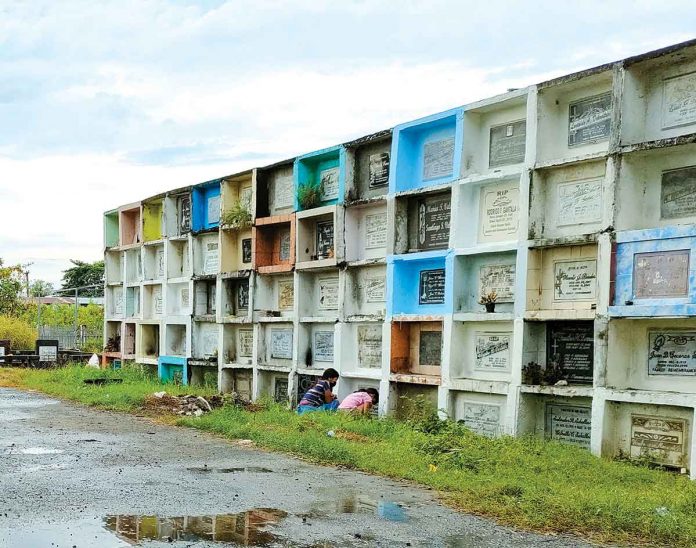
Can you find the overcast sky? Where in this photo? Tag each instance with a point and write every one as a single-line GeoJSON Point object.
{"type": "Point", "coordinates": [104, 103]}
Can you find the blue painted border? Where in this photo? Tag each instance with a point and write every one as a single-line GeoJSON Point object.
{"type": "Point", "coordinates": [166, 366]}
{"type": "Point", "coordinates": [200, 194]}
{"type": "Point", "coordinates": [402, 282]}
{"type": "Point", "coordinates": [308, 166]}
{"type": "Point", "coordinates": [630, 243]}
{"type": "Point", "coordinates": [406, 162]}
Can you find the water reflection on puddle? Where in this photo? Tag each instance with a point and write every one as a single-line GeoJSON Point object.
{"type": "Point", "coordinates": [237, 470]}
{"type": "Point", "coordinates": [243, 529]}
{"type": "Point", "coordinates": [359, 504]}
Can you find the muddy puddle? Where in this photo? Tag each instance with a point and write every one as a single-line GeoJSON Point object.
{"type": "Point", "coordinates": [234, 470]}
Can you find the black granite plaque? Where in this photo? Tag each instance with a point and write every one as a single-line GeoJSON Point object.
{"type": "Point", "coordinates": [243, 295]}
{"type": "Point", "coordinates": [325, 239]}
{"type": "Point", "coordinates": [280, 390]}
{"type": "Point", "coordinates": [430, 348]}
{"type": "Point", "coordinates": [304, 383]}
{"type": "Point", "coordinates": [246, 250]}
{"type": "Point", "coordinates": [434, 222]}
{"type": "Point", "coordinates": [431, 289]}
{"type": "Point", "coordinates": [507, 144]}
{"type": "Point", "coordinates": [184, 214]}
{"type": "Point", "coordinates": [570, 345]}
{"type": "Point", "coordinates": [589, 120]}
{"type": "Point", "coordinates": [378, 165]}
{"type": "Point", "coordinates": [47, 349]}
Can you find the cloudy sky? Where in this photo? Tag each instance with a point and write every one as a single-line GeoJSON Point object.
{"type": "Point", "coordinates": [104, 103]}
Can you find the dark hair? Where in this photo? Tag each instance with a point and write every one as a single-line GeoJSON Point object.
{"type": "Point", "coordinates": [372, 392]}
{"type": "Point", "coordinates": [329, 373]}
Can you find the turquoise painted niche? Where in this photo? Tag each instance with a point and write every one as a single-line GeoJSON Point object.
{"type": "Point", "coordinates": [322, 174]}
{"type": "Point", "coordinates": [205, 206]}
{"type": "Point", "coordinates": [420, 283]}
{"type": "Point", "coordinates": [169, 368]}
{"type": "Point", "coordinates": [655, 272]}
{"type": "Point", "coordinates": [427, 152]}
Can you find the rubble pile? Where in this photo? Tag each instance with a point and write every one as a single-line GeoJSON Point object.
{"type": "Point", "coordinates": [191, 405]}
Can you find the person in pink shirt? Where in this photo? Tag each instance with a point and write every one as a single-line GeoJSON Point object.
{"type": "Point", "coordinates": [360, 401]}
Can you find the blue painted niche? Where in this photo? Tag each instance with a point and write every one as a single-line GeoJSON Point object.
{"type": "Point", "coordinates": [309, 167]}
{"type": "Point", "coordinates": [667, 249]}
{"type": "Point", "coordinates": [403, 283]}
{"type": "Point", "coordinates": [412, 140]}
{"type": "Point", "coordinates": [204, 198]}
{"type": "Point", "coordinates": [169, 366]}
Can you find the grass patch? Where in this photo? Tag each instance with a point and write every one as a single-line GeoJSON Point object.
{"type": "Point", "coordinates": [523, 482]}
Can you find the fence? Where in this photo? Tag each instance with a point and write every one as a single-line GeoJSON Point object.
{"type": "Point", "coordinates": [70, 338]}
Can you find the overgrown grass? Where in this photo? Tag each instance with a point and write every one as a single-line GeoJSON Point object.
{"type": "Point", "coordinates": [524, 482]}
{"type": "Point", "coordinates": [68, 382]}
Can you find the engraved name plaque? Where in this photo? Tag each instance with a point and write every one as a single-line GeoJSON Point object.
{"type": "Point", "coordinates": [679, 101]}
{"type": "Point", "coordinates": [375, 290]}
{"type": "Point", "coordinates": [323, 346]}
{"type": "Point", "coordinates": [589, 120]}
{"type": "Point", "coordinates": [499, 212]}
{"type": "Point", "coordinates": [370, 346]}
{"type": "Point", "coordinates": [661, 274]}
{"type": "Point", "coordinates": [243, 295]}
{"type": "Point", "coordinates": [286, 294]}
{"type": "Point", "coordinates": [493, 351]}
{"type": "Point", "coordinates": [214, 209]}
{"type": "Point", "coordinates": [210, 258]}
{"type": "Point", "coordinates": [579, 202]}
{"type": "Point", "coordinates": [438, 159]}
{"type": "Point", "coordinates": [281, 344]}
{"type": "Point", "coordinates": [570, 424]}
{"type": "Point", "coordinates": [328, 293]}
{"type": "Point", "coordinates": [507, 144]}
{"type": "Point", "coordinates": [678, 193]}
{"type": "Point", "coordinates": [284, 246]}
{"type": "Point", "coordinates": [184, 211]}
{"type": "Point", "coordinates": [570, 345]}
{"type": "Point", "coordinates": [246, 250]}
{"type": "Point", "coordinates": [482, 418]}
{"type": "Point", "coordinates": [245, 342]}
{"type": "Point", "coordinates": [672, 353]}
{"type": "Point", "coordinates": [329, 184]}
{"type": "Point", "coordinates": [498, 279]}
{"type": "Point", "coordinates": [375, 231]}
{"type": "Point", "coordinates": [325, 239]}
{"type": "Point", "coordinates": [575, 280]}
{"type": "Point", "coordinates": [661, 439]}
{"type": "Point", "coordinates": [431, 288]}
{"type": "Point", "coordinates": [430, 348]}
{"type": "Point", "coordinates": [378, 166]}
{"type": "Point", "coordinates": [280, 390]}
{"type": "Point", "coordinates": [283, 192]}
{"type": "Point", "coordinates": [434, 222]}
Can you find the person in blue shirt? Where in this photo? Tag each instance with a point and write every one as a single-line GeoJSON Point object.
{"type": "Point", "coordinates": [320, 396]}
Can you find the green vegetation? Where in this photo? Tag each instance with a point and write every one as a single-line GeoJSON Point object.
{"type": "Point", "coordinates": [81, 274]}
{"type": "Point", "coordinates": [309, 195]}
{"type": "Point", "coordinates": [237, 216]}
{"type": "Point", "coordinates": [20, 332]}
{"type": "Point", "coordinates": [68, 382]}
{"type": "Point", "coordinates": [523, 482]}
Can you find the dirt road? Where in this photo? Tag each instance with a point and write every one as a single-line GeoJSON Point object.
{"type": "Point", "coordinates": [72, 476]}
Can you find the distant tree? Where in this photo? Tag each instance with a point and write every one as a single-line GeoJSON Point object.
{"type": "Point", "coordinates": [40, 288]}
{"type": "Point", "coordinates": [82, 274]}
{"type": "Point", "coordinates": [11, 285]}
